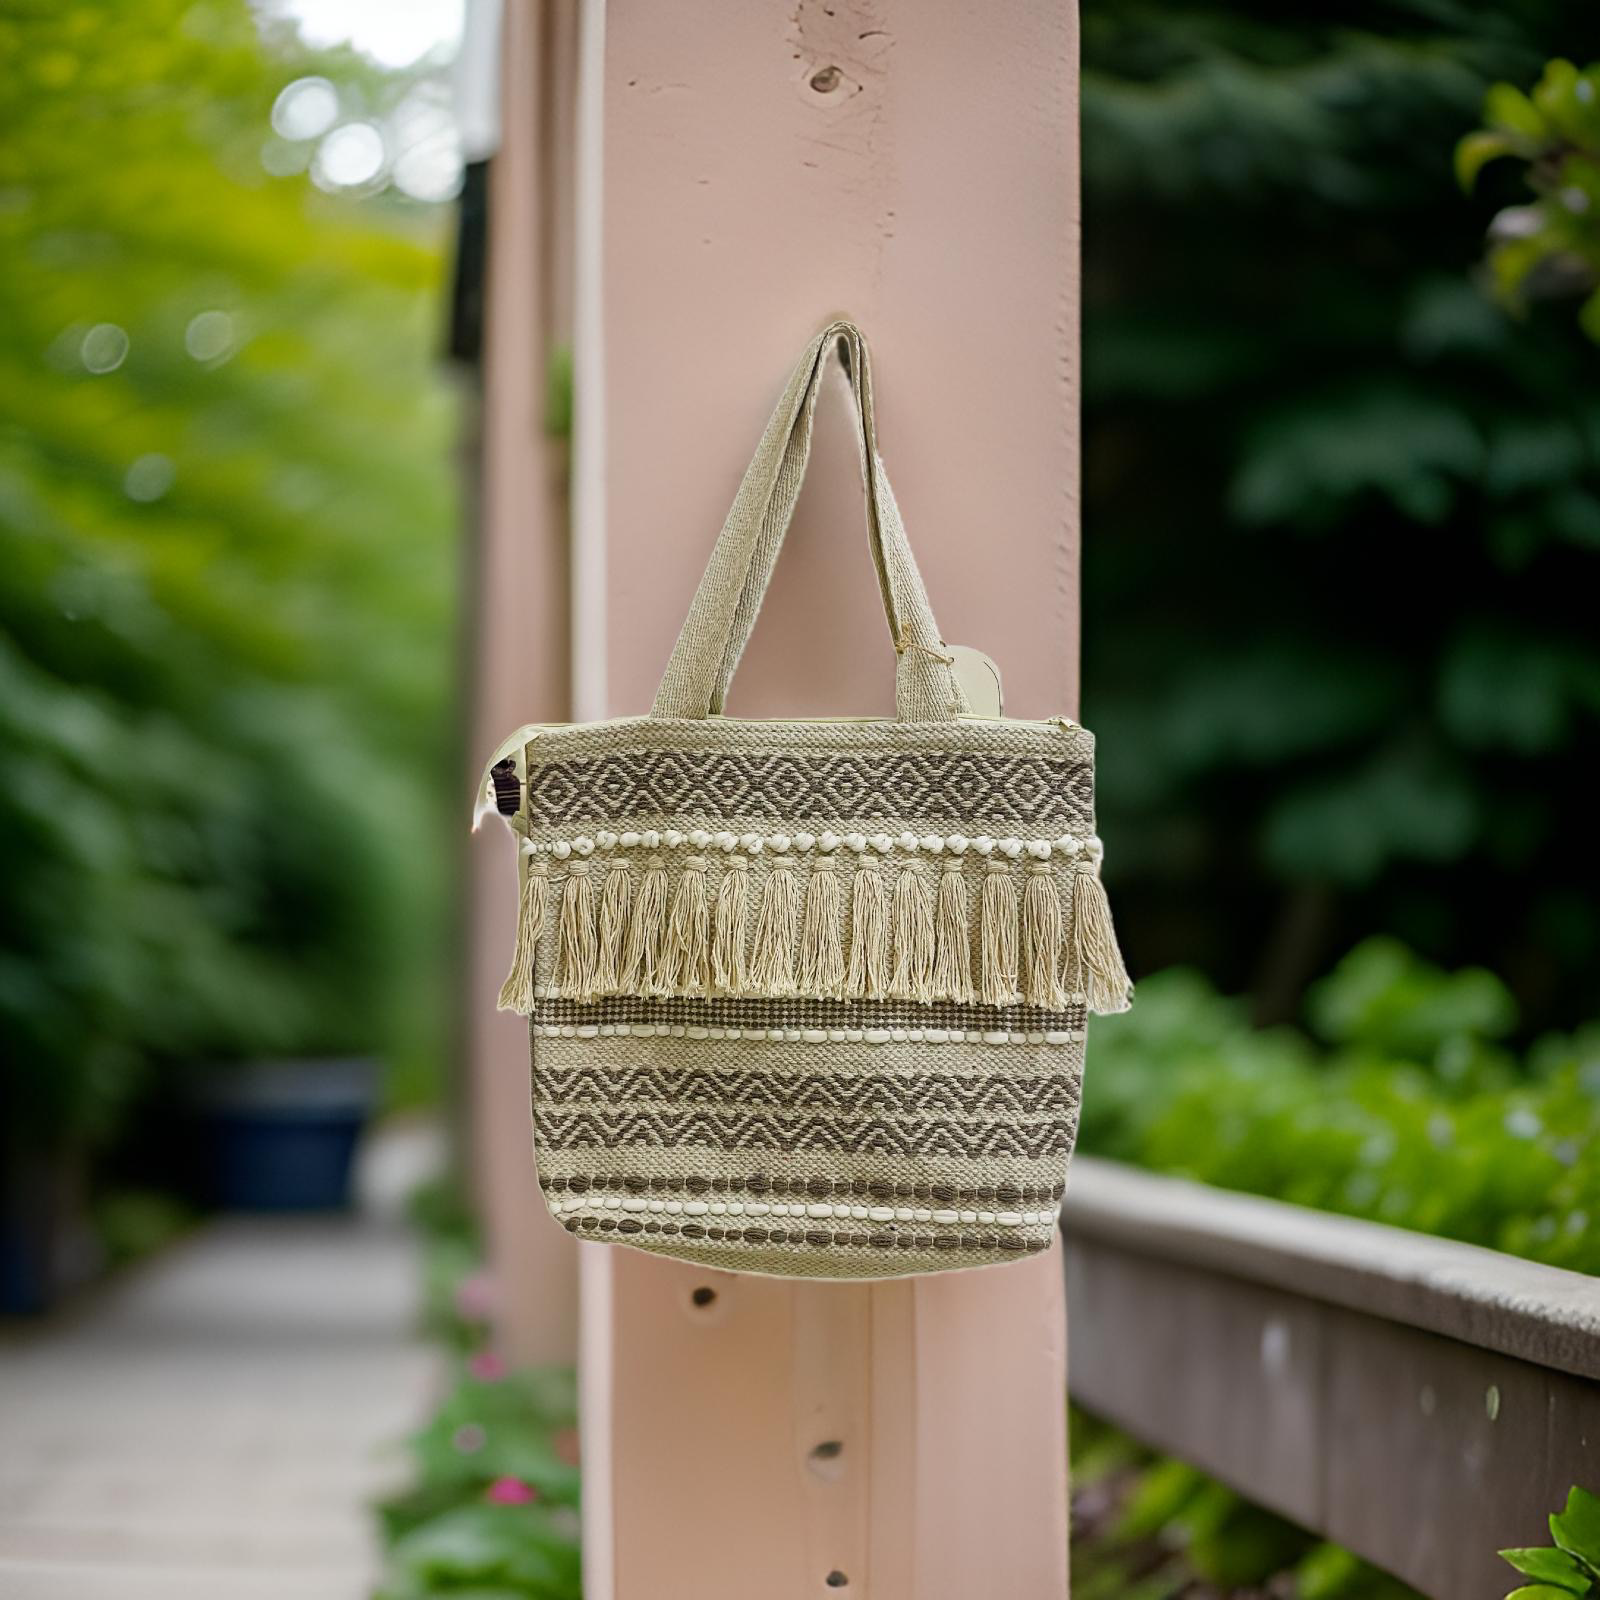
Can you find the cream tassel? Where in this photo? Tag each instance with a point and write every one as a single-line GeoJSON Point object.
{"type": "Point", "coordinates": [516, 993]}
{"type": "Point", "coordinates": [688, 959]}
{"type": "Point", "coordinates": [614, 898]}
{"type": "Point", "coordinates": [913, 937]}
{"type": "Point", "coordinates": [1095, 956]}
{"type": "Point", "coordinates": [869, 936]}
{"type": "Point", "coordinates": [821, 953]}
{"type": "Point", "coordinates": [997, 948]}
{"type": "Point", "coordinates": [952, 962]}
{"type": "Point", "coordinates": [642, 949]}
{"type": "Point", "coordinates": [728, 927]}
{"type": "Point", "coordinates": [576, 950]}
{"type": "Point", "coordinates": [772, 957]}
{"type": "Point", "coordinates": [1041, 939]}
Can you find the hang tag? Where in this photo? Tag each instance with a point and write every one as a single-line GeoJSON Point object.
{"type": "Point", "coordinates": [979, 678]}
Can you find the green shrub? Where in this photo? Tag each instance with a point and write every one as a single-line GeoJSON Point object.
{"type": "Point", "coordinates": [1550, 247]}
{"type": "Point", "coordinates": [1400, 1105]}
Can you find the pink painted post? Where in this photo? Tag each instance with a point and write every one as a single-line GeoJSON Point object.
{"type": "Point", "coordinates": [519, 645]}
{"type": "Point", "coordinates": [747, 170]}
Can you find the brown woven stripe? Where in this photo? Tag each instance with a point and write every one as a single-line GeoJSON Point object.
{"type": "Point", "coordinates": [838, 1093]}
{"type": "Point", "coordinates": [828, 1015]}
{"type": "Point", "coordinates": [817, 1238]}
{"type": "Point", "coordinates": [1008, 1195]}
{"type": "Point", "coordinates": [861, 789]}
{"type": "Point", "coordinates": [561, 1129]}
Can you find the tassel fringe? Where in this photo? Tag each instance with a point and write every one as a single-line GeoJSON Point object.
{"type": "Point", "coordinates": [772, 959]}
{"type": "Point", "coordinates": [913, 938]}
{"type": "Point", "coordinates": [1095, 954]}
{"type": "Point", "coordinates": [516, 993]}
{"type": "Point", "coordinates": [614, 898]}
{"type": "Point", "coordinates": [576, 949]}
{"type": "Point", "coordinates": [643, 949]}
{"type": "Point", "coordinates": [997, 941]}
{"type": "Point", "coordinates": [1040, 941]}
{"type": "Point", "coordinates": [868, 973]}
{"type": "Point", "coordinates": [821, 950]}
{"type": "Point", "coordinates": [952, 961]}
{"type": "Point", "coordinates": [688, 961]}
{"type": "Point", "coordinates": [728, 930]}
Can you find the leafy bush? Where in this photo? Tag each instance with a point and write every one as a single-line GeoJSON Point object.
{"type": "Point", "coordinates": [1572, 1567]}
{"type": "Point", "coordinates": [1146, 1527]}
{"type": "Point", "coordinates": [1400, 1104]}
{"type": "Point", "coordinates": [1340, 508]}
{"type": "Point", "coordinates": [1552, 246]}
{"type": "Point", "coordinates": [492, 1508]}
{"type": "Point", "coordinates": [227, 591]}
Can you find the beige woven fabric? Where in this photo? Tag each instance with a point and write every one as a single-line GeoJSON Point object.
{"type": "Point", "coordinates": [808, 998]}
{"type": "Point", "coordinates": [724, 608]}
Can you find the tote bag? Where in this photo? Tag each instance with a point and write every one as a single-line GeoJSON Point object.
{"type": "Point", "coordinates": [807, 998]}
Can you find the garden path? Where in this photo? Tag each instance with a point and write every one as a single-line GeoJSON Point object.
{"type": "Point", "coordinates": [216, 1423]}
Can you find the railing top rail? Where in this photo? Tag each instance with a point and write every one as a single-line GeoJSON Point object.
{"type": "Point", "coordinates": [1540, 1314]}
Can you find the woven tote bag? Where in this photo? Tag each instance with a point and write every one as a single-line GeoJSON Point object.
{"type": "Point", "coordinates": [807, 998]}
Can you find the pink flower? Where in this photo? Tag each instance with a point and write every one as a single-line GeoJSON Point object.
{"type": "Point", "coordinates": [475, 1297]}
{"type": "Point", "coordinates": [486, 1366]}
{"type": "Point", "coordinates": [510, 1492]}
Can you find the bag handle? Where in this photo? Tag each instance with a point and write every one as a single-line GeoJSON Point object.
{"type": "Point", "coordinates": [724, 608]}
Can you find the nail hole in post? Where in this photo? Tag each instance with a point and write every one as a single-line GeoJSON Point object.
{"type": "Point", "coordinates": [827, 80]}
{"type": "Point", "coordinates": [703, 1297]}
{"type": "Point", "coordinates": [836, 1579]}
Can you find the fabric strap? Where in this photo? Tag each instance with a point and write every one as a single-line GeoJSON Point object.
{"type": "Point", "coordinates": [725, 606]}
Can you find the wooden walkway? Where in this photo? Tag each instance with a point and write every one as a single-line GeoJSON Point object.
{"type": "Point", "coordinates": [215, 1424]}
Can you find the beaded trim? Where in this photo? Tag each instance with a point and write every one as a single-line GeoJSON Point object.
{"type": "Point", "coordinates": [760, 1186]}
{"type": "Point", "coordinates": [816, 1238]}
{"type": "Point", "coordinates": [822, 1209]}
{"type": "Point", "coordinates": [663, 1030]}
{"type": "Point", "coordinates": [957, 844]}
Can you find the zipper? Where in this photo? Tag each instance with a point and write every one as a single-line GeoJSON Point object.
{"type": "Point", "coordinates": [515, 741]}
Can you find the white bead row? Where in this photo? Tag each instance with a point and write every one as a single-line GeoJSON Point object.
{"type": "Point", "coordinates": [563, 1204]}
{"type": "Point", "coordinates": [678, 1030]}
{"type": "Point", "coordinates": [957, 844]}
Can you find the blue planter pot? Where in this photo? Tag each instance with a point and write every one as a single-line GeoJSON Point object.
{"type": "Point", "coordinates": [47, 1247]}
{"type": "Point", "coordinates": [281, 1136]}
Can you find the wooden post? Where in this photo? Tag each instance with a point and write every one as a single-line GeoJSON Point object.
{"type": "Point", "coordinates": [518, 633]}
{"type": "Point", "coordinates": [746, 169]}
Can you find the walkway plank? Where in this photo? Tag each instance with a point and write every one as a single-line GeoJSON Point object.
{"type": "Point", "coordinates": [217, 1423]}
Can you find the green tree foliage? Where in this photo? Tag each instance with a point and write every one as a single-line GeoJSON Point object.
{"type": "Point", "coordinates": [1550, 247]}
{"type": "Point", "coordinates": [227, 582]}
{"type": "Point", "coordinates": [1342, 527]}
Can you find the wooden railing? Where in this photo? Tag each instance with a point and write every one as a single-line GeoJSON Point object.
{"type": "Point", "coordinates": [1421, 1401]}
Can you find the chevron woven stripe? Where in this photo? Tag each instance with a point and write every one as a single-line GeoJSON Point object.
{"type": "Point", "coordinates": [838, 1135]}
{"type": "Point", "coordinates": [1048, 1095]}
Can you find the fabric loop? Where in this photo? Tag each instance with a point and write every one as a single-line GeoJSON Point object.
{"type": "Point", "coordinates": [725, 605]}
